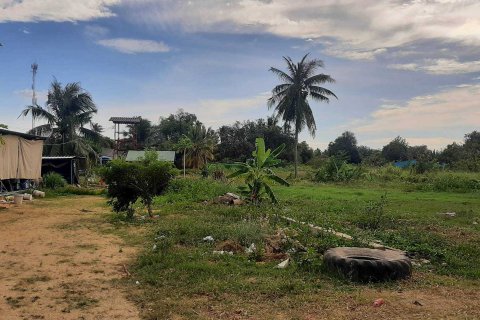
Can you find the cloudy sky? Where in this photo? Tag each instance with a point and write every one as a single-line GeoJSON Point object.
{"type": "Point", "coordinates": [409, 68]}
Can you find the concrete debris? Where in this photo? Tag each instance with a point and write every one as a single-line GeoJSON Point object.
{"type": "Point", "coordinates": [283, 264]}
{"type": "Point", "coordinates": [222, 252]}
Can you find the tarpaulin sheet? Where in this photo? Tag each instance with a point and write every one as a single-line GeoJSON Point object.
{"type": "Point", "coordinates": [20, 158]}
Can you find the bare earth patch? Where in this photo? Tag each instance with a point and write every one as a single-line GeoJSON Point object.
{"type": "Point", "coordinates": [54, 264]}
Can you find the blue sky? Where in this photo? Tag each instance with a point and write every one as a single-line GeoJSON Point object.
{"type": "Point", "coordinates": [409, 68]}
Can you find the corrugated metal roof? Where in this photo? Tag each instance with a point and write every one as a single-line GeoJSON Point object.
{"type": "Point", "coordinates": [168, 156]}
{"type": "Point", "coordinates": [21, 134]}
{"type": "Point", "coordinates": [62, 157]}
{"type": "Point", "coordinates": [125, 120]}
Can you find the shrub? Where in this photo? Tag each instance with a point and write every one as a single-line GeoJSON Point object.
{"type": "Point", "coordinates": [129, 181]}
{"type": "Point", "coordinates": [374, 215]}
{"type": "Point", "coordinates": [336, 170]}
{"type": "Point", "coordinates": [53, 180]}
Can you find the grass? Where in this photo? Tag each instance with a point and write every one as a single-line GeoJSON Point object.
{"type": "Point", "coordinates": [181, 276]}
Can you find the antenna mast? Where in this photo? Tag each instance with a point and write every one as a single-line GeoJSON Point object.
{"type": "Point", "coordinates": [34, 97]}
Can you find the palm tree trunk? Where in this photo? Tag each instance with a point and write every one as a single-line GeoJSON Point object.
{"type": "Point", "coordinates": [184, 156]}
{"type": "Point", "coordinates": [296, 151]}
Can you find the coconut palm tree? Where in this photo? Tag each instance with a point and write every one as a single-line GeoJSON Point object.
{"type": "Point", "coordinates": [68, 110]}
{"type": "Point", "coordinates": [182, 146]}
{"type": "Point", "coordinates": [202, 144]}
{"type": "Point", "coordinates": [290, 99]}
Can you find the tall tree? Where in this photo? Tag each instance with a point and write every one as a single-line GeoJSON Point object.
{"type": "Point", "coordinates": [396, 150]}
{"type": "Point", "coordinates": [290, 98]}
{"type": "Point", "coordinates": [68, 110]}
{"type": "Point", "coordinates": [345, 145]}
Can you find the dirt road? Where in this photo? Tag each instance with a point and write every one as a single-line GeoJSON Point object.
{"type": "Point", "coordinates": [56, 264]}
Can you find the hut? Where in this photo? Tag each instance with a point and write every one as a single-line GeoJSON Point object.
{"type": "Point", "coordinates": [20, 159]}
{"type": "Point", "coordinates": [68, 167]}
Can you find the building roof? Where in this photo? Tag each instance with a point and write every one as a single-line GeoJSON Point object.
{"type": "Point", "coordinates": [125, 120]}
{"type": "Point", "coordinates": [62, 157]}
{"type": "Point", "coordinates": [21, 134]}
{"type": "Point", "coordinates": [133, 155]}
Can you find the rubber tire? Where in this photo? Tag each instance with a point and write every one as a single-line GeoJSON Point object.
{"type": "Point", "coordinates": [368, 265]}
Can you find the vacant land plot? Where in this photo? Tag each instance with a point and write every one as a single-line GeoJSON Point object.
{"type": "Point", "coordinates": [55, 263]}
{"type": "Point", "coordinates": [63, 258]}
{"type": "Point", "coordinates": [185, 277]}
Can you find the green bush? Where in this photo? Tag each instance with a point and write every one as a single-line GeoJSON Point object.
{"type": "Point", "coordinates": [337, 170]}
{"type": "Point", "coordinates": [53, 180]}
{"type": "Point", "coordinates": [129, 181]}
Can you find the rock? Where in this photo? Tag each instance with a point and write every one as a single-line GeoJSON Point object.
{"type": "Point", "coordinates": [283, 264]}
{"type": "Point", "coordinates": [208, 239]}
{"type": "Point", "coordinates": [154, 247]}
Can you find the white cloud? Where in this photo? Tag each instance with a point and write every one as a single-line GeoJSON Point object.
{"type": "Point", "coordinates": [132, 46]}
{"type": "Point", "coordinates": [55, 10]}
{"type": "Point", "coordinates": [452, 110]}
{"type": "Point", "coordinates": [360, 28]}
{"type": "Point", "coordinates": [441, 66]}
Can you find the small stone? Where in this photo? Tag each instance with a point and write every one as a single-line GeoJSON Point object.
{"type": "Point", "coordinates": [208, 239]}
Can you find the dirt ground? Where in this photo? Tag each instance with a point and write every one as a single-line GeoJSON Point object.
{"type": "Point", "coordinates": [55, 264]}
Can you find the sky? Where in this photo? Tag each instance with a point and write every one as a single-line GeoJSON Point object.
{"type": "Point", "coordinates": [408, 68]}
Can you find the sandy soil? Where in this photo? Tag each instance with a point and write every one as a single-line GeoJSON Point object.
{"type": "Point", "coordinates": [55, 264]}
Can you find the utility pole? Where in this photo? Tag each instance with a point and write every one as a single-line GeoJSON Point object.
{"type": "Point", "coordinates": [34, 97]}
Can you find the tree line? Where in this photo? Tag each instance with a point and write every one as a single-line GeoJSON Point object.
{"type": "Point", "coordinates": [70, 128]}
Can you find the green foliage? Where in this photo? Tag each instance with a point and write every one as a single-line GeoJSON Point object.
{"type": "Point", "coordinates": [129, 181]}
{"type": "Point", "coordinates": [53, 180]}
{"type": "Point", "coordinates": [338, 170]}
{"type": "Point", "coordinates": [258, 173]}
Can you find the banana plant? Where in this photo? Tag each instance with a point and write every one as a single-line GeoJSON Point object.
{"type": "Point", "coordinates": [258, 173]}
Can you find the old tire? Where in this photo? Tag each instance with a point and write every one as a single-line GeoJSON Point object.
{"type": "Point", "coordinates": [368, 265]}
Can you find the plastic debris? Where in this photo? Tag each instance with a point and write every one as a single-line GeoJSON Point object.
{"type": "Point", "coordinates": [154, 247]}
{"type": "Point", "coordinates": [137, 282]}
{"type": "Point", "coordinates": [283, 264]}
{"type": "Point", "coordinates": [251, 249]}
{"type": "Point", "coordinates": [418, 303]}
{"type": "Point", "coordinates": [378, 302]}
{"type": "Point", "coordinates": [208, 238]}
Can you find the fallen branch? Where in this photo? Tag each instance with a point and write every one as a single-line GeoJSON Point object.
{"type": "Point", "coordinates": [126, 271]}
